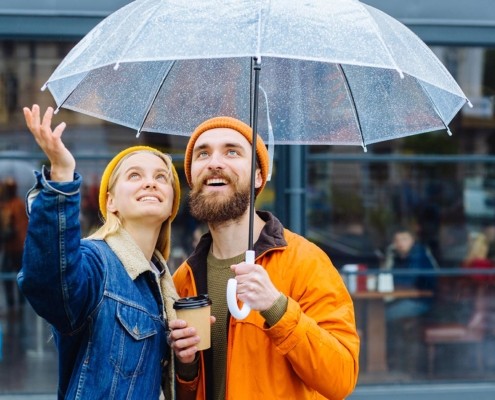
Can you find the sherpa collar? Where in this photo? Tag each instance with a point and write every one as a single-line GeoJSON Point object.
{"type": "Point", "coordinates": [135, 263]}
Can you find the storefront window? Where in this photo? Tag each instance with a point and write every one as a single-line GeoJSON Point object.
{"type": "Point", "coordinates": [442, 187]}
{"type": "Point", "coordinates": [442, 190]}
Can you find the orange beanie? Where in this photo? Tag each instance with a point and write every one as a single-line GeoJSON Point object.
{"type": "Point", "coordinates": [243, 129]}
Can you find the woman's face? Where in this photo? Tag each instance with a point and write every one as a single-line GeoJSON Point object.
{"type": "Point", "coordinates": [143, 191]}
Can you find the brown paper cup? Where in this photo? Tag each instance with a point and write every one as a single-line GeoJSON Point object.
{"type": "Point", "coordinates": [196, 312]}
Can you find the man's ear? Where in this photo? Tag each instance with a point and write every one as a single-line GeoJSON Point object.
{"type": "Point", "coordinates": [258, 180]}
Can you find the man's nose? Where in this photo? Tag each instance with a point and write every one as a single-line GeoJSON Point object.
{"type": "Point", "coordinates": [216, 161]}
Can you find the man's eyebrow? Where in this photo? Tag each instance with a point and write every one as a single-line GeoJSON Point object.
{"type": "Point", "coordinates": [234, 145]}
{"type": "Point", "coordinates": [201, 147]}
{"type": "Point", "coordinates": [228, 145]}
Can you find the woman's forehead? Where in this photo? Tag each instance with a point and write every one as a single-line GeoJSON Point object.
{"type": "Point", "coordinates": [144, 159]}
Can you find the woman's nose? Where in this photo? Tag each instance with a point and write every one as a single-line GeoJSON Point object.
{"type": "Point", "coordinates": [150, 182]}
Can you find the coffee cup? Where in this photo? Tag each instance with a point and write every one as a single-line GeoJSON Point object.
{"type": "Point", "coordinates": [196, 312]}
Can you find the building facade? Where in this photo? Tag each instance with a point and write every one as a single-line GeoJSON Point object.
{"type": "Point", "coordinates": [349, 202]}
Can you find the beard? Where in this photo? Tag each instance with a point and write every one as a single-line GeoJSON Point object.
{"type": "Point", "coordinates": [217, 208]}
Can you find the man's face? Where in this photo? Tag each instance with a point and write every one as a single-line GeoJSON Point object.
{"type": "Point", "coordinates": [220, 176]}
{"type": "Point", "coordinates": [403, 242]}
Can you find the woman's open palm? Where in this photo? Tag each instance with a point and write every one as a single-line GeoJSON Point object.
{"type": "Point", "coordinates": [61, 159]}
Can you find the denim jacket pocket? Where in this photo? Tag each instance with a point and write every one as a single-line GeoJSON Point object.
{"type": "Point", "coordinates": [133, 338]}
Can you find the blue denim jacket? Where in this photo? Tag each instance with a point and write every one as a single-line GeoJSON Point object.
{"type": "Point", "coordinates": [109, 329]}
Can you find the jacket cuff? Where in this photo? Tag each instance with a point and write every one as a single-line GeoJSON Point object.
{"type": "Point", "coordinates": [276, 311]}
{"type": "Point", "coordinates": [43, 182]}
{"type": "Point", "coordinates": [187, 372]}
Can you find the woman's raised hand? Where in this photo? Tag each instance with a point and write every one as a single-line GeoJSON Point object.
{"type": "Point", "coordinates": [61, 159]}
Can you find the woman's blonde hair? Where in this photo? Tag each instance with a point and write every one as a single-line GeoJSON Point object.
{"type": "Point", "coordinates": [111, 222]}
{"type": "Point", "coordinates": [478, 247]}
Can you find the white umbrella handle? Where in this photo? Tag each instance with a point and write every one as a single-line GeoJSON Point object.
{"type": "Point", "coordinates": [232, 293]}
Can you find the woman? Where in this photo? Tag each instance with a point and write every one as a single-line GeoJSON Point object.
{"type": "Point", "coordinates": [477, 256]}
{"type": "Point", "coordinates": [107, 297]}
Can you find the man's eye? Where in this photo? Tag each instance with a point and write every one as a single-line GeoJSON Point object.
{"type": "Point", "coordinates": [203, 154]}
{"type": "Point", "coordinates": [232, 152]}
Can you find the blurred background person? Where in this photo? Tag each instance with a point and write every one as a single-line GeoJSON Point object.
{"type": "Point", "coordinates": [407, 253]}
{"type": "Point", "coordinates": [405, 316]}
{"type": "Point", "coordinates": [489, 232]}
{"type": "Point", "coordinates": [477, 256]}
{"type": "Point", "coordinates": [14, 223]}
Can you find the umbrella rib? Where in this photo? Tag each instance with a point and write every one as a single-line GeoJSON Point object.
{"type": "Point", "coordinates": [258, 40]}
{"type": "Point", "coordinates": [354, 109]}
{"type": "Point", "coordinates": [155, 95]}
{"type": "Point", "coordinates": [435, 108]}
{"type": "Point", "coordinates": [131, 42]}
{"type": "Point", "coordinates": [66, 97]}
{"type": "Point", "coordinates": [382, 41]}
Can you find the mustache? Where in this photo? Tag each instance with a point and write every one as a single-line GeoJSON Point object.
{"type": "Point", "coordinates": [215, 175]}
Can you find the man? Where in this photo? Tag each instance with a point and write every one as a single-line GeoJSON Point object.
{"type": "Point", "coordinates": [405, 316]}
{"type": "Point", "coordinates": [406, 253]}
{"type": "Point", "coordinates": [299, 341]}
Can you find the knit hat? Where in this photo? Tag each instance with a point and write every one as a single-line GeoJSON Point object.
{"type": "Point", "coordinates": [243, 129]}
{"type": "Point", "coordinates": [164, 239]}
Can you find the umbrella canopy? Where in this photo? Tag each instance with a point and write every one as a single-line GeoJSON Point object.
{"type": "Point", "coordinates": [333, 72]}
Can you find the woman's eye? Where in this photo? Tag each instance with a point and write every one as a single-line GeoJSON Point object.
{"type": "Point", "coordinates": [162, 177]}
{"type": "Point", "coordinates": [133, 175]}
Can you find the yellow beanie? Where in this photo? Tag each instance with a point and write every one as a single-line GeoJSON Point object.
{"type": "Point", "coordinates": [105, 179]}
{"type": "Point", "coordinates": [243, 129]}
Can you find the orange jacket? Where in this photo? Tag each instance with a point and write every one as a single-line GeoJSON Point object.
{"type": "Point", "coordinates": [312, 352]}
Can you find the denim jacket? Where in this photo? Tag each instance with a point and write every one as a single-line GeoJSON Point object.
{"type": "Point", "coordinates": [106, 312]}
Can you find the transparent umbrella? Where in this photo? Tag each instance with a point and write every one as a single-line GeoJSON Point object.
{"type": "Point", "coordinates": [300, 72]}
{"type": "Point", "coordinates": [333, 72]}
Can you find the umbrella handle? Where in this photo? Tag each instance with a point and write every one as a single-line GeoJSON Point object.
{"type": "Point", "coordinates": [232, 296]}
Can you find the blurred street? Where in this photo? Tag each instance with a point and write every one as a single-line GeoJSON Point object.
{"type": "Point", "coordinates": [29, 362]}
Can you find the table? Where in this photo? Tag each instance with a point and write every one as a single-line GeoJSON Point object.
{"type": "Point", "coordinates": [376, 329]}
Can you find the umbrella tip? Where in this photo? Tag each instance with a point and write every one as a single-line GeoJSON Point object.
{"type": "Point", "coordinates": [470, 104]}
{"type": "Point", "coordinates": [116, 66]}
{"type": "Point", "coordinates": [57, 110]}
{"type": "Point", "coordinates": [449, 131]}
{"type": "Point", "coordinates": [365, 149]}
{"type": "Point", "coordinates": [43, 88]}
{"type": "Point", "coordinates": [138, 133]}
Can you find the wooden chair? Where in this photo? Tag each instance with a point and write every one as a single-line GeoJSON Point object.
{"type": "Point", "coordinates": [471, 333]}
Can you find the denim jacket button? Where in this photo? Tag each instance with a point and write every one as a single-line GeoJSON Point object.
{"type": "Point", "coordinates": [136, 330]}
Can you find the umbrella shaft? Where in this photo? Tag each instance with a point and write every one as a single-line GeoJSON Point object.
{"type": "Point", "coordinates": [255, 68]}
